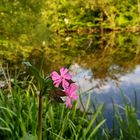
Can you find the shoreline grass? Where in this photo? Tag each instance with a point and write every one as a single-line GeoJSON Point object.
{"type": "Point", "coordinates": [18, 119]}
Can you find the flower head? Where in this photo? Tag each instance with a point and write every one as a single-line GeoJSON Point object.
{"type": "Point", "coordinates": [71, 94]}
{"type": "Point", "coordinates": [69, 87]}
{"type": "Point", "coordinates": [62, 78]}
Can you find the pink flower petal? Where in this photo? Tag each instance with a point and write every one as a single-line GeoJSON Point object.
{"type": "Point", "coordinates": [68, 103]}
{"type": "Point", "coordinates": [68, 76]}
{"type": "Point", "coordinates": [57, 82]}
{"type": "Point", "coordinates": [67, 90]}
{"type": "Point", "coordinates": [73, 87]}
{"type": "Point", "coordinates": [65, 84]}
{"type": "Point", "coordinates": [63, 71]}
{"type": "Point", "coordinates": [74, 96]}
{"type": "Point", "coordinates": [55, 75]}
{"type": "Point", "coordinates": [71, 91]}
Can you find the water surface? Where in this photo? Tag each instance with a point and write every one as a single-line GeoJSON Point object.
{"type": "Point", "coordinates": [104, 65]}
{"type": "Point", "coordinates": [110, 91]}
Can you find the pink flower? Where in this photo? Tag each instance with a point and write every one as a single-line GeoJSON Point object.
{"type": "Point", "coordinates": [62, 78]}
{"type": "Point", "coordinates": [71, 94]}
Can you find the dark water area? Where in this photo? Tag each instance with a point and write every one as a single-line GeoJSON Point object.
{"type": "Point", "coordinates": [104, 65]}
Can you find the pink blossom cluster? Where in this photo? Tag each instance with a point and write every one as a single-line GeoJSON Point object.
{"type": "Point", "coordinates": [63, 80]}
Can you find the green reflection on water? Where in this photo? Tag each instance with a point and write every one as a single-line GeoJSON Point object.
{"type": "Point", "coordinates": [105, 54]}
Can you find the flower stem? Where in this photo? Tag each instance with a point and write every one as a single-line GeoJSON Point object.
{"type": "Point", "coordinates": [40, 118]}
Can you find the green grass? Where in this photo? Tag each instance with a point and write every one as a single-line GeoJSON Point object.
{"type": "Point", "coordinates": [18, 118]}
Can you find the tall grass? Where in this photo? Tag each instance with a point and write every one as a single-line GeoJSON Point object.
{"type": "Point", "coordinates": [18, 118]}
{"type": "Point", "coordinates": [128, 120]}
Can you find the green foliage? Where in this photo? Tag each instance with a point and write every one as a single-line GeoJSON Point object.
{"type": "Point", "coordinates": [32, 22]}
{"type": "Point", "coordinates": [19, 113]}
{"type": "Point", "coordinates": [28, 32]}
{"type": "Point", "coordinates": [18, 118]}
{"type": "Point", "coordinates": [128, 129]}
{"type": "Point", "coordinates": [42, 83]}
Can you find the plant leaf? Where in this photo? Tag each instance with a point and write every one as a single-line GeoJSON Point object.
{"type": "Point", "coordinates": [37, 74]}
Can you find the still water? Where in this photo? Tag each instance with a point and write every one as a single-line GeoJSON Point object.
{"type": "Point", "coordinates": [104, 65]}
{"type": "Point", "coordinates": [109, 91]}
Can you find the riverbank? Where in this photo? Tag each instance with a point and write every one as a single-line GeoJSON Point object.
{"type": "Point", "coordinates": [18, 117]}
